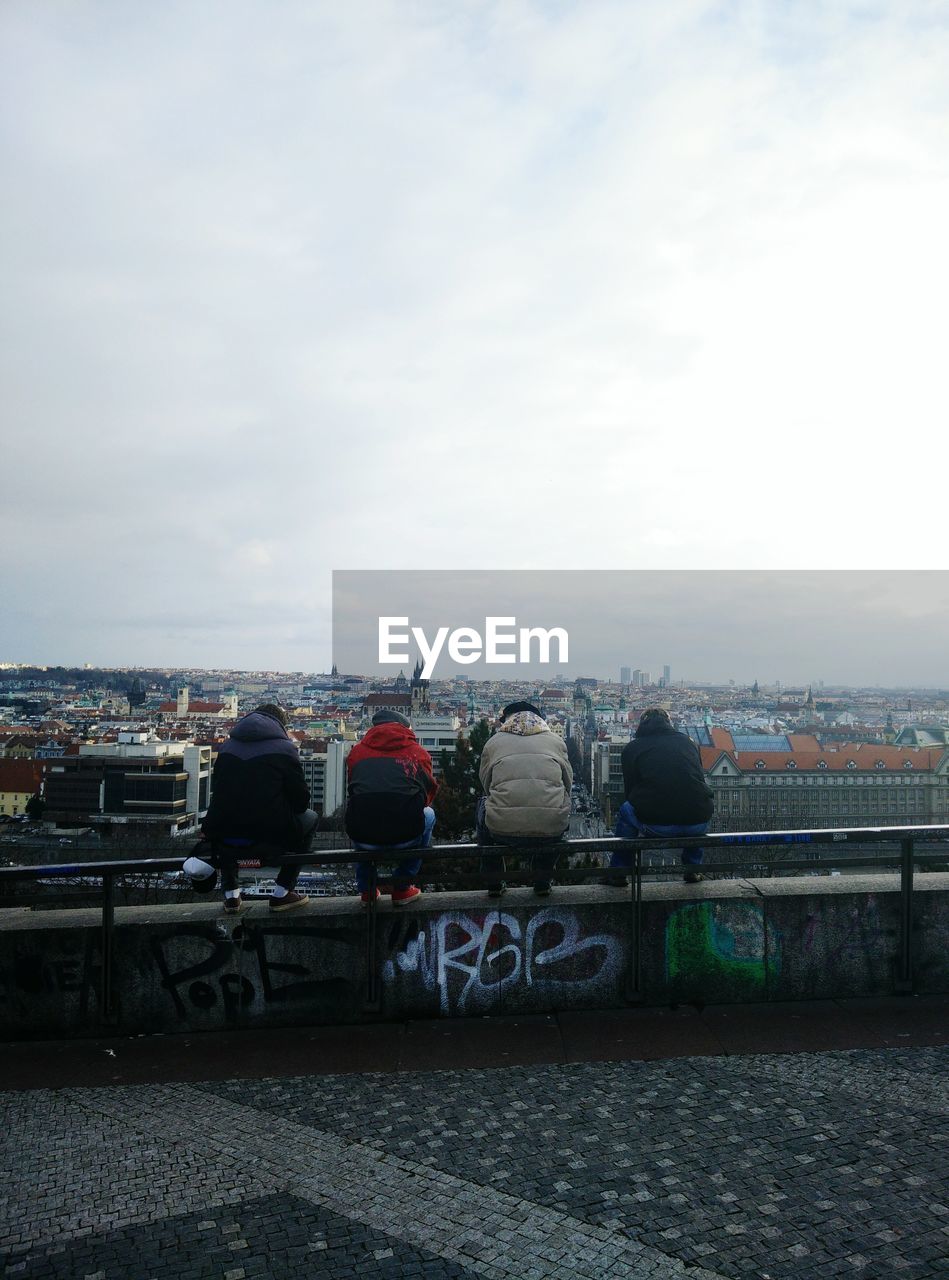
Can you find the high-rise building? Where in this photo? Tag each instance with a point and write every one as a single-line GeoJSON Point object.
{"type": "Point", "coordinates": [667, 676]}
{"type": "Point", "coordinates": [624, 675]}
{"type": "Point", "coordinates": [138, 781]}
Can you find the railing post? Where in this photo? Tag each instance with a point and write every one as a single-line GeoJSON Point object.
{"type": "Point", "coordinates": [634, 967]}
{"type": "Point", "coordinates": [372, 975]}
{"type": "Point", "coordinates": [106, 1013]}
{"type": "Point", "coordinates": [904, 980]}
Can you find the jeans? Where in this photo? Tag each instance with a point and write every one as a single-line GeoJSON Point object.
{"type": "Point", "coordinates": [231, 850]}
{"type": "Point", "coordinates": [629, 826]}
{"type": "Point", "coordinates": [405, 870]}
{"type": "Point", "coordinates": [542, 864]}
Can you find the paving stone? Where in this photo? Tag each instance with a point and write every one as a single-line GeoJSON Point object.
{"type": "Point", "coordinates": [817, 1165]}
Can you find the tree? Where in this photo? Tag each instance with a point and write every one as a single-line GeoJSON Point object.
{"type": "Point", "coordinates": [575, 756]}
{"type": "Point", "coordinates": [460, 785]}
{"type": "Point", "coordinates": [35, 808]}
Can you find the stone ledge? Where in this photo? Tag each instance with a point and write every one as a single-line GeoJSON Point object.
{"type": "Point", "coordinates": [17, 918]}
{"type": "Point", "coordinates": [188, 967]}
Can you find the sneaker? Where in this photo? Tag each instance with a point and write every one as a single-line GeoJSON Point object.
{"type": "Point", "coordinates": [542, 888]}
{"type": "Point", "coordinates": [693, 877]}
{"type": "Point", "coordinates": [406, 894]}
{"type": "Point", "coordinates": [234, 906]}
{"type": "Point", "coordinates": [364, 898]}
{"type": "Point", "coordinates": [289, 901]}
{"type": "Point", "coordinates": [497, 890]}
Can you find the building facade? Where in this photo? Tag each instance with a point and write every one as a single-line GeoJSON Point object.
{"type": "Point", "coordinates": [137, 781]}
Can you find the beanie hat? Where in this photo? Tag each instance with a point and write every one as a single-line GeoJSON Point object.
{"type": "Point", "coordinates": [275, 712]}
{"type": "Point", "coordinates": [391, 717]}
{"type": "Point", "coordinates": [513, 707]}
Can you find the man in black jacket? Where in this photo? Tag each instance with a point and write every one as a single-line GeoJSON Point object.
{"type": "Point", "coordinates": [259, 797]}
{"type": "Point", "coordinates": [666, 791]}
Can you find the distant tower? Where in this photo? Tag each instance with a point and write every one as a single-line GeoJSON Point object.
{"type": "Point", "coordinates": [754, 688]}
{"type": "Point", "coordinates": [401, 684]}
{"type": "Point", "coordinates": [624, 675]}
{"type": "Point", "coordinates": [889, 733]}
{"type": "Point", "coordinates": [420, 703]}
{"type": "Point", "coordinates": [667, 676]}
{"type": "Point", "coordinates": [181, 705]}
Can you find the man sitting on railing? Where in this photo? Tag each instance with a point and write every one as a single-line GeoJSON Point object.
{"type": "Point", "coordinates": [526, 778]}
{"type": "Point", "coordinates": [391, 789]}
{"type": "Point", "coordinates": [259, 797]}
{"type": "Point", "coordinates": [666, 791]}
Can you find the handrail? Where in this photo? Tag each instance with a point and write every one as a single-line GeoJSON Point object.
{"type": "Point", "coordinates": [331, 857]}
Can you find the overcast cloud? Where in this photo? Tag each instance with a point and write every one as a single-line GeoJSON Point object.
{"type": "Point", "coordinates": [301, 287]}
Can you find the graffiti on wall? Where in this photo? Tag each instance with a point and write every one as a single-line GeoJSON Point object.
{"type": "Point", "coordinates": [721, 945]}
{"type": "Point", "coordinates": [203, 968]}
{"type": "Point", "coordinates": [471, 958]}
{"type": "Point", "coordinates": [72, 970]}
{"type": "Point", "coordinates": [839, 931]}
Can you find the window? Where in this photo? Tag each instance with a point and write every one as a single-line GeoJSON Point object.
{"type": "Point", "coordinates": [822, 764]}
{"type": "Point", "coordinates": [851, 764]}
{"type": "Point", "coordinates": [791, 764]}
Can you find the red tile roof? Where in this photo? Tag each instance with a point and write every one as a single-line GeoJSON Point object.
{"type": "Point", "coordinates": [194, 708]}
{"type": "Point", "coordinates": [865, 756]}
{"type": "Point", "coordinates": [21, 775]}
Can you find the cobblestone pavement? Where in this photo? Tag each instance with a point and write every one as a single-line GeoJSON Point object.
{"type": "Point", "coordinates": [806, 1165]}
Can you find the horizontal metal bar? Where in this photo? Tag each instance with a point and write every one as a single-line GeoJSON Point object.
{"type": "Point", "coordinates": [443, 852]}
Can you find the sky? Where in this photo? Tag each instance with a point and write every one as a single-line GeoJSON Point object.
{"type": "Point", "coordinates": [302, 287]}
{"type": "Point", "coordinates": [813, 627]}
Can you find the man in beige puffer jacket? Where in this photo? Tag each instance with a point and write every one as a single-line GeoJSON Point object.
{"type": "Point", "coordinates": [526, 778]}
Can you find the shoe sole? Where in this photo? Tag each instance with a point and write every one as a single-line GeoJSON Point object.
{"type": "Point", "coordinates": [290, 906]}
{"type": "Point", "coordinates": [236, 911]}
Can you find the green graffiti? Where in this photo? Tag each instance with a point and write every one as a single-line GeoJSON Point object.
{"type": "Point", "coordinates": [715, 947]}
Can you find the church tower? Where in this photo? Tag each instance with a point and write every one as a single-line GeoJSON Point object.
{"type": "Point", "coordinates": [420, 703]}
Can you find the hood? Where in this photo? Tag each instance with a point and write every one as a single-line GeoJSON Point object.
{"type": "Point", "coordinates": [258, 728]}
{"type": "Point", "coordinates": [389, 738]}
{"type": "Point", "coordinates": [652, 728]}
{"type": "Point", "coordinates": [524, 723]}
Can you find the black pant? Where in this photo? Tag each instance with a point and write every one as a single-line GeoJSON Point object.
{"type": "Point", "coordinates": [542, 864]}
{"type": "Point", "coordinates": [230, 854]}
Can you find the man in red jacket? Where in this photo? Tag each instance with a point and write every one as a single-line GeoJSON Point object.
{"type": "Point", "coordinates": [391, 789]}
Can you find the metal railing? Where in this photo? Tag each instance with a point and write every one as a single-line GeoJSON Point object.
{"type": "Point", "coordinates": [905, 860]}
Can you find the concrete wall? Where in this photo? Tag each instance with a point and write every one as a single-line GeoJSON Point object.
{"type": "Point", "coordinates": [188, 968]}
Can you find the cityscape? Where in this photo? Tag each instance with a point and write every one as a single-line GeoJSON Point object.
{"type": "Point", "coordinates": [474, 640]}
{"type": "Point", "coordinates": [129, 753]}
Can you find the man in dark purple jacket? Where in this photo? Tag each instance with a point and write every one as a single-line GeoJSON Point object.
{"type": "Point", "coordinates": [259, 797]}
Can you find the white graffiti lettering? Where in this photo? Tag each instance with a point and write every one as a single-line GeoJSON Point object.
{"type": "Point", "coordinates": [471, 959]}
